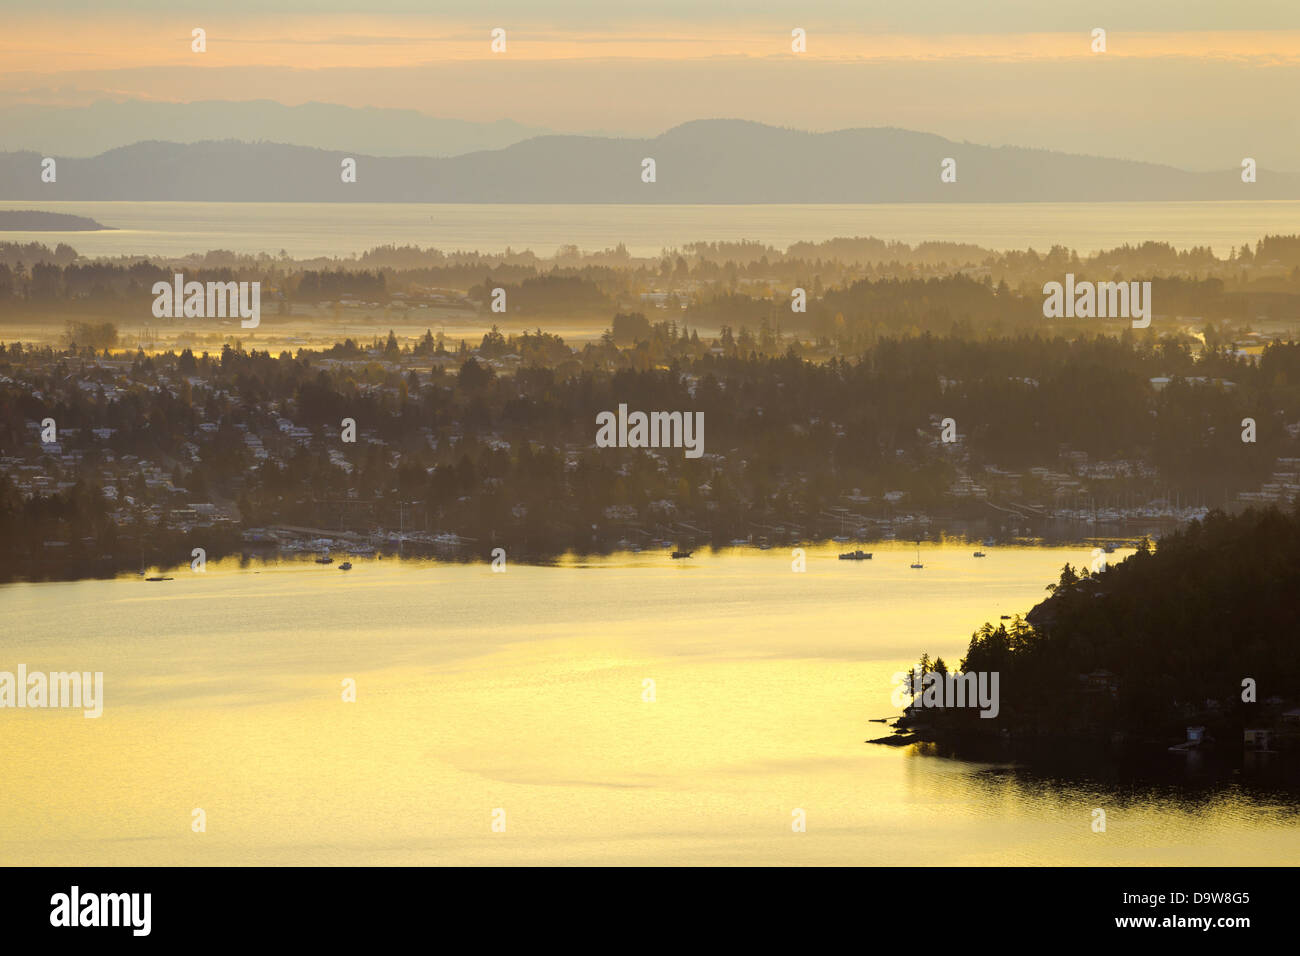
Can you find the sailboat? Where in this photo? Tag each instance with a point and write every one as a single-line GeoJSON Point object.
{"type": "Point", "coordinates": [918, 563]}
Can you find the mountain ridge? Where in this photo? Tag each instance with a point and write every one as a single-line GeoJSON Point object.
{"type": "Point", "coordinates": [84, 131]}
{"type": "Point", "coordinates": [702, 161]}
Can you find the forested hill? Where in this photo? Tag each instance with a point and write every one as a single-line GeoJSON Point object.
{"type": "Point", "coordinates": [1178, 629]}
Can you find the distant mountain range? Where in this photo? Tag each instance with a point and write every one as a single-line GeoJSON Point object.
{"type": "Point", "coordinates": [105, 125]}
{"type": "Point", "coordinates": [707, 161]}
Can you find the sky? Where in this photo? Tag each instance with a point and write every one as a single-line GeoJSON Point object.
{"type": "Point", "coordinates": [1196, 83]}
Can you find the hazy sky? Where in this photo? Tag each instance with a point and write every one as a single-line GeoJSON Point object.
{"type": "Point", "coordinates": [1195, 83]}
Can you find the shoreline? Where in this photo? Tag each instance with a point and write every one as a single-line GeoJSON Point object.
{"type": "Point", "coordinates": [468, 552]}
{"type": "Point", "coordinates": [1101, 756]}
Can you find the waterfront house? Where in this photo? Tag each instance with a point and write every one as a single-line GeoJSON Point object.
{"type": "Point", "coordinates": [1258, 738]}
{"type": "Point", "coordinates": [1100, 681]}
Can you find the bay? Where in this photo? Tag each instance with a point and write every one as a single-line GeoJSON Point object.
{"type": "Point", "coordinates": [524, 691]}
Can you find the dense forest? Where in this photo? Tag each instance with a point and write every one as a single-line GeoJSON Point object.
{"type": "Point", "coordinates": [857, 289]}
{"type": "Point", "coordinates": [1162, 639]}
{"type": "Point", "coordinates": [450, 443]}
{"type": "Point", "coordinates": [812, 418]}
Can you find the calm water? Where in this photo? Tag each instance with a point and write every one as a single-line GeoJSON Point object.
{"type": "Point", "coordinates": [341, 229]}
{"type": "Point", "coordinates": [523, 691]}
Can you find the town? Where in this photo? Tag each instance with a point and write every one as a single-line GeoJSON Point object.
{"type": "Point", "coordinates": [900, 420]}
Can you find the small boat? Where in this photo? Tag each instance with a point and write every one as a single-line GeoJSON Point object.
{"type": "Point", "coordinates": [841, 539]}
{"type": "Point", "coordinates": [682, 554]}
{"type": "Point", "coordinates": [918, 563]}
{"type": "Point", "coordinates": [324, 559]}
{"type": "Point", "coordinates": [345, 566]}
{"type": "Point", "coordinates": [980, 554]}
{"type": "Point", "coordinates": [1006, 617]}
{"type": "Point", "coordinates": [856, 556]}
{"type": "Point", "coordinates": [157, 579]}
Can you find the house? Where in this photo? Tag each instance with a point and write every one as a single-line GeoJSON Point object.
{"type": "Point", "coordinates": [1100, 681]}
{"type": "Point", "coordinates": [1258, 738]}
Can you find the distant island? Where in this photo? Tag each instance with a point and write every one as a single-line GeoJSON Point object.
{"type": "Point", "coordinates": [702, 161]}
{"type": "Point", "coordinates": [31, 220]}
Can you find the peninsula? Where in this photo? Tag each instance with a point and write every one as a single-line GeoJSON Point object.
{"type": "Point", "coordinates": [34, 220]}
